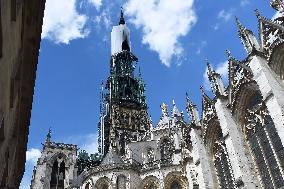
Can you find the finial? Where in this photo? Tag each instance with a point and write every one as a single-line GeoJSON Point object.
{"type": "Point", "coordinates": [174, 103]}
{"type": "Point", "coordinates": [239, 24]}
{"type": "Point", "coordinates": [48, 136]}
{"type": "Point", "coordinates": [228, 53]}
{"type": "Point", "coordinates": [164, 108]}
{"type": "Point", "coordinates": [257, 13]}
{"type": "Point", "coordinates": [209, 69]}
{"type": "Point", "coordinates": [188, 102]}
{"type": "Point", "coordinates": [139, 71]}
{"type": "Point", "coordinates": [187, 97]}
{"type": "Point", "coordinates": [202, 90]}
{"type": "Point", "coordinates": [121, 20]}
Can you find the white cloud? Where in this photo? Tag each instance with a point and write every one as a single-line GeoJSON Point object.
{"type": "Point", "coordinates": [96, 3]}
{"type": "Point", "coordinates": [163, 23]}
{"type": "Point", "coordinates": [244, 3]}
{"type": "Point", "coordinates": [88, 142]}
{"type": "Point", "coordinates": [225, 15]}
{"type": "Point", "coordinates": [103, 19]}
{"type": "Point", "coordinates": [201, 46]}
{"type": "Point", "coordinates": [32, 155]}
{"type": "Point", "coordinates": [62, 23]}
{"type": "Point", "coordinates": [222, 69]}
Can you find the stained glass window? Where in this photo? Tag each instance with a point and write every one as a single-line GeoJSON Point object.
{"type": "Point", "coordinates": [265, 144]}
{"type": "Point", "coordinates": [222, 165]}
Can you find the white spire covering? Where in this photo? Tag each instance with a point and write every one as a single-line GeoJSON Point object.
{"type": "Point", "coordinates": [119, 34]}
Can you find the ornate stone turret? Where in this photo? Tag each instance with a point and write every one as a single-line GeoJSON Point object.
{"type": "Point", "coordinates": [217, 84]}
{"type": "Point", "coordinates": [248, 39]}
{"type": "Point", "coordinates": [48, 137]}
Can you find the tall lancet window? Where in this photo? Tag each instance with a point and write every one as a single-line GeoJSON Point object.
{"type": "Point", "coordinates": [265, 144]}
{"type": "Point", "coordinates": [215, 141]}
{"type": "Point", "coordinates": [222, 165]}
{"type": "Point", "coordinates": [57, 175]}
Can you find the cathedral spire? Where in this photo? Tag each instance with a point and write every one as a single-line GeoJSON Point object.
{"type": "Point", "coordinates": [121, 20]}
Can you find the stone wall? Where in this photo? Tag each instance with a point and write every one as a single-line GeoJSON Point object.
{"type": "Point", "coordinates": [21, 23]}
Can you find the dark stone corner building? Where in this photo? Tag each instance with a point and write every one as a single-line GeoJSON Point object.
{"type": "Point", "coordinates": [20, 35]}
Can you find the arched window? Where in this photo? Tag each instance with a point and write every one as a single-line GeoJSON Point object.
{"type": "Point", "coordinates": [105, 186]}
{"type": "Point", "coordinates": [103, 183]}
{"type": "Point", "coordinates": [57, 175]}
{"type": "Point", "coordinates": [218, 150]}
{"type": "Point", "coordinates": [222, 165]}
{"type": "Point", "coordinates": [175, 185]}
{"type": "Point", "coordinates": [264, 142]}
{"type": "Point", "coordinates": [167, 150]}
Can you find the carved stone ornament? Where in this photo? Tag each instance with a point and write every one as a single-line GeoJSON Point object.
{"type": "Point", "coordinates": [277, 4]}
{"type": "Point", "coordinates": [256, 117]}
{"type": "Point", "coordinates": [164, 108]}
{"type": "Point", "coordinates": [241, 76]}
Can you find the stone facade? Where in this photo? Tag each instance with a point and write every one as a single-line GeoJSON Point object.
{"type": "Point", "coordinates": [20, 30]}
{"type": "Point", "coordinates": [236, 143]}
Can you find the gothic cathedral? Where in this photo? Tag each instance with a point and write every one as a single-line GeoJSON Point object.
{"type": "Point", "coordinates": [236, 143]}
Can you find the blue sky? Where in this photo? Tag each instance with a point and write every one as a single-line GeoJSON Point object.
{"type": "Point", "coordinates": [171, 38]}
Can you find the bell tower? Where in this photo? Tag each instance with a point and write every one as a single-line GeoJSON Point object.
{"type": "Point", "coordinates": [55, 168]}
{"type": "Point", "coordinates": [124, 116]}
